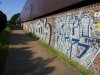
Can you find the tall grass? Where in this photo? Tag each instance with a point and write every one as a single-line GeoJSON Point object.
{"type": "Point", "coordinates": [4, 43]}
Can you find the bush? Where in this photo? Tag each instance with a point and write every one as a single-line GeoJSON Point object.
{"type": "Point", "coordinates": [4, 43]}
{"type": "Point", "coordinates": [3, 21]}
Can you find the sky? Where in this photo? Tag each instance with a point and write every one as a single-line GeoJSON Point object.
{"type": "Point", "coordinates": [11, 7]}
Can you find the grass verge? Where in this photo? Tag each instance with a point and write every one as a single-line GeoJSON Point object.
{"type": "Point", "coordinates": [60, 55]}
{"type": "Point", "coordinates": [4, 43]}
{"type": "Point", "coordinates": [73, 64]}
{"type": "Point", "coordinates": [34, 37]}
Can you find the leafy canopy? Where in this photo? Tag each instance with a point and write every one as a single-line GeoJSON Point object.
{"type": "Point", "coordinates": [14, 19]}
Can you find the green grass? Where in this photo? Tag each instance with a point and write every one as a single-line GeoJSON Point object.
{"type": "Point", "coordinates": [34, 37]}
{"type": "Point", "coordinates": [73, 64]}
{"type": "Point", "coordinates": [60, 55]}
{"type": "Point", "coordinates": [4, 43]}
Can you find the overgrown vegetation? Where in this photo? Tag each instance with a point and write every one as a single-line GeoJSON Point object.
{"type": "Point", "coordinates": [3, 21]}
{"type": "Point", "coordinates": [34, 37]}
{"type": "Point", "coordinates": [14, 20]}
{"type": "Point", "coordinates": [4, 43]}
{"type": "Point", "coordinates": [60, 55]}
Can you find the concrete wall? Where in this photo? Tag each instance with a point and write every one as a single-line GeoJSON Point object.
{"type": "Point", "coordinates": [76, 33]}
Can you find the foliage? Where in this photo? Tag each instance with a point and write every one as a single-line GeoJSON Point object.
{"type": "Point", "coordinates": [34, 37]}
{"type": "Point", "coordinates": [3, 21]}
{"type": "Point", "coordinates": [13, 19]}
{"type": "Point", "coordinates": [4, 43]}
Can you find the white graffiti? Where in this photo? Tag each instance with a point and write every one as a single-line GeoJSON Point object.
{"type": "Point", "coordinates": [75, 35]}
{"type": "Point", "coordinates": [70, 34]}
{"type": "Point", "coordinates": [97, 14]}
{"type": "Point", "coordinates": [41, 29]}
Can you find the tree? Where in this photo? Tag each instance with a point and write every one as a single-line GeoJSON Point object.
{"type": "Point", "coordinates": [3, 21]}
{"type": "Point", "coordinates": [14, 19]}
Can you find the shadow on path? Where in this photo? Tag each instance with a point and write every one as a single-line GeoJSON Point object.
{"type": "Point", "coordinates": [23, 60]}
{"type": "Point", "coordinates": [28, 57]}
{"type": "Point", "coordinates": [18, 38]}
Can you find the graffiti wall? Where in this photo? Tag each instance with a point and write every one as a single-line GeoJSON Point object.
{"type": "Point", "coordinates": [41, 28]}
{"type": "Point", "coordinates": [76, 36]}
{"type": "Point", "coordinates": [76, 33]}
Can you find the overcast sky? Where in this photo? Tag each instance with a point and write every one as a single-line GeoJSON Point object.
{"type": "Point", "coordinates": [11, 7]}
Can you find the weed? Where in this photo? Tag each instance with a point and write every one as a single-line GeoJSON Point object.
{"type": "Point", "coordinates": [73, 64]}
{"type": "Point", "coordinates": [34, 37]}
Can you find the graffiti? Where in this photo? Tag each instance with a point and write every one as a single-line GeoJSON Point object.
{"type": "Point", "coordinates": [93, 41]}
{"type": "Point", "coordinates": [97, 22]}
{"type": "Point", "coordinates": [31, 28]}
{"type": "Point", "coordinates": [41, 28]}
{"type": "Point", "coordinates": [76, 35]}
{"type": "Point", "coordinates": [97, 14]}
{"type": "Point", "coordinates": [72, 34]}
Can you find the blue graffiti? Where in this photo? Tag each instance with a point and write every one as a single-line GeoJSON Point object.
{"type": "Point", "coordinates": [84, 51]}
{"type": "Point", "coordinates": [86, 47]}
{"type": "Point", "coordinates": [72, 35]}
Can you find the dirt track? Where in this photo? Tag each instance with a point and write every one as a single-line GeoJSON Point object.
{"type": "Point", "coordinates": [27, 57]}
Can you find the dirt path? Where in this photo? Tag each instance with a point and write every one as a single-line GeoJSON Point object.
{"type": "Point", "coordinates": [27, 57]}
